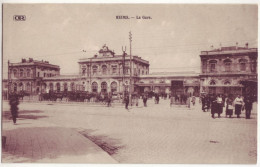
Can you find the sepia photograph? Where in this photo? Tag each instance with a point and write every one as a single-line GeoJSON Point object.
{"type": "Point", "coordinates": [129, 83]}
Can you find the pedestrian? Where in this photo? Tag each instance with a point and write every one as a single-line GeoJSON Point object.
{"type": "Point", "coordinates": [109, 99]}
{"type": "Point", "coordinates": [238, 105]}
{"type": "Point", "coordinates": [145, 96]}
{"type": "Point", "coordinates": [208, 102]}
{"type": "Point", "coordinates": [193, 100]}
{"type": "Point", "coordinates": [171, 99]}
{"type": "Point", "coordinates": [203, 101]}
{"type": "Point", "coordinates": [156, 98]}
{"type": "Point", "coordinates": [14, 102]}
{"type": "Point", "coordinates": [213, 106]}
{"type": "Point", "coordinates": [229, 106]}
{"type": "Point", "coordinates": [219, 105]}
{"type": "Point", "coordinates": [248, 105]}
{"type": "Point", "coordinates": [126, 101]}
{"type": "Point", "coordinates": [137, 99]}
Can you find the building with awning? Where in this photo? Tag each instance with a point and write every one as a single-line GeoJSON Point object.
{"type": "Point", "coordinates": [162, 82]}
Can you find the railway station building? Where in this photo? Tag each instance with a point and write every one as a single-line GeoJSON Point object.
{"type": "Point", "coordinates": [226, 70]}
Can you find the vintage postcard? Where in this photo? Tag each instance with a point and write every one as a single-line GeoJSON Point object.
{"type": "Point", "coordinates": [129, 83]}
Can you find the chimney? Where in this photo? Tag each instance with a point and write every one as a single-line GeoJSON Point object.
{"type": "Point", "coordinates": [247, 45]}
{"type": "Point", "coordinates": [236, 45]}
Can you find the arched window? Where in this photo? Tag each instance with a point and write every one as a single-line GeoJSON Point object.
{"type": "Point", "coordinates": [104, 69]}
{"type": "Point", "coordinates": [21, 86]}
{"type": "Point", "coordinates": [65, 86]}
{"type": "Point", "coordinates": [212, 82]}
{"type": "Point", "coordinates": [103, 87]}
{"type": "Point", "coordinates": [72, 86]}
{"type": "Point", "coordinates": [94, 68]}
{"type": "Point", "coordinates": [113, 87]}
{"type": "Point", "coordinates": [242, 64]}
{"type": "Point", "coordinates": [227, 64]}
{"type": "Point", "coordinates": [28, 87]}
{"type": "Point", "coordinates": [58, 87]}
{"type": "Point", "coordinates": [212, 64]}
{"type": "Point", "coordinates": [51, 86]}
{"type": "Point", "coordinates": [15, 73]}
{"type": "Point", "coordinates": [21, 72]}
{"type": "Point", "coordinates": [94, 87]}
{"type": "Point", "coordinates": [15, 87]}
{"type": "Point", "coordinates": [28, 72]}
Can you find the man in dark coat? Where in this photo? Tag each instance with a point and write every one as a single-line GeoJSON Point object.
{"type": "Point", "coordinates": [109, 99]}
{"type": "Point", "coordinates": [14, 101]}
{"type": "Point", "coordinates": [248, 105]}
{"type": "Point", "coordinates": [145, 96]}
{"type": "Point", "coordinates": [126, 101]}
{"type": "Point", "coordinates": [214, 106]}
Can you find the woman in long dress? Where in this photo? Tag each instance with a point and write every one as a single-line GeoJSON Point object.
{"type": "Point", "coordinates": [229, 106]}
{"type": "Point", "coordinates": [238, 105]}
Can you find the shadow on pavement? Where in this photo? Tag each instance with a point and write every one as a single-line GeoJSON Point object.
{"type": "Point", "coordinates": [40, 143]}
{"type": "Point", "coordinates": [108, 144]}
{"type": "Point", "coordinates": [24, 114]}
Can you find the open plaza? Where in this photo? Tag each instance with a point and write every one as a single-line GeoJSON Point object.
{"type": "Point", "coordinates": [56, 132]}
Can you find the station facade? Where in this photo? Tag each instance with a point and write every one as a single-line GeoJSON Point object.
{"type": "Point", "coordinates": [227, 70]}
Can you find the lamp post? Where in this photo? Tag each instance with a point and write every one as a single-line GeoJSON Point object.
{"type": "Point", "coordinates": [130, 84]}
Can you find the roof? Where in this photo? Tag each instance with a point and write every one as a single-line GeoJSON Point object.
{"type": "Point", "coordinates": [35, 62]}
{"type": "Point", "coordinates": [116, 57]}
{"type": "Point", "coordinates": [172, 74]}
{"type": "Point", "coordinates": [229, 50]}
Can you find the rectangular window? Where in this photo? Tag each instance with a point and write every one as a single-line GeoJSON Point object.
{"type": "Point", "coordinates": [114, 69]}
{"type": "Point", "coordinates": [243, 67]}
{"type": "Point", "coordinates": [212, 67]}
{"type": "Point", "coordinates": [228, 67]}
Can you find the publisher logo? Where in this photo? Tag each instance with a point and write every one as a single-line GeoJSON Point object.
{"type": "Point", "coordinates": [19, 17]}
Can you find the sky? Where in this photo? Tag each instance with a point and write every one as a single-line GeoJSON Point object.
{"type": "Point", "coordinates": [171, 40]}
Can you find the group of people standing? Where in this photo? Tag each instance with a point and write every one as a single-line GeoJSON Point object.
{"type": "Point", "coordinates": [217, 103]}
{"type": "Point", "coordinates": [135, 99]}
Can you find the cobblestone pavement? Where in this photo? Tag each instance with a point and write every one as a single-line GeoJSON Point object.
{"type": "Point", "coordinates": [157, 133]}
